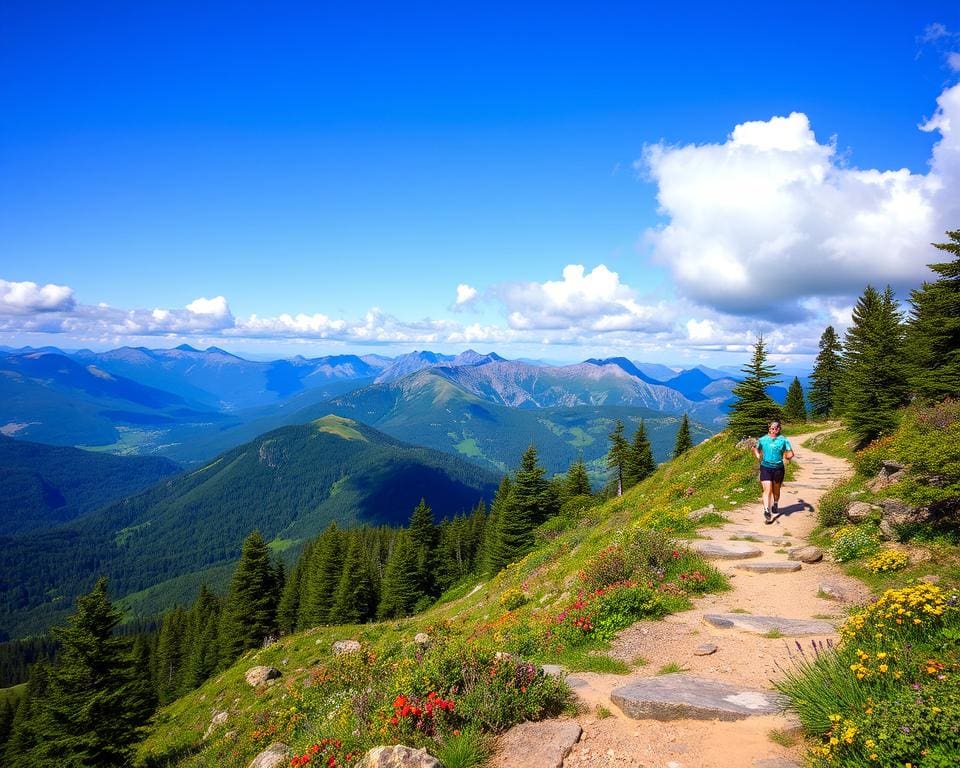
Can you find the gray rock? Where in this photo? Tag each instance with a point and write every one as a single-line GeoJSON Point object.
{"type": "Point", "coordinates": [763, 624]}
{"type": "Point", "coordinates": [808, 554]}
{"type": "Point", "coordinates": [553, 670]}
{"type": "Point", "coordinates": [346, 646]}
{"type": "Point", "coordinates": [833, 591]}
{"type": "Point", "coordinates": [770, 566]}
{"type": "Point", "coordinates": [219, 718]}
{"type": "Point", "coordinates": [930, 579]}
{"type": "Point", "coordinates": [680, 697]}
{"type": "Point", "coordinates": [891, 467]}
{"type": "Point", "coordinates": [274, 755]}
{"type": "Point", "coordinates": [398, 756]}
{"type": "Point", "coordinates": [775, 762]}
{"type": "Point", "coordinates": [766, 538]}
{"type": "Point", "coordinates": [543, 744]}
{"type": "Point", "coordinates": [859, 511]}
{"type": "Point", "coordinates": [730, 550]}
{"type": "Point", "coordinates": [259, 675]}
{"type": "Point", "coordinates": [705, 649]}
{"type": "Point", "coordinates": [699, 514]}
{"type": "Point", "coordinates": [421, 638]}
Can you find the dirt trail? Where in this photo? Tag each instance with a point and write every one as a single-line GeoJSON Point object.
{"type": "Point", "coordinates": [742, 658]}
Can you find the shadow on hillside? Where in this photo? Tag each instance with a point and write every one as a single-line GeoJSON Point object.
{"type": "Point", "coordinates": [792, 509]}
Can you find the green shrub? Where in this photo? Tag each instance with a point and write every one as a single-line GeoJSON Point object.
{"type": "Point", "coordinates": [609, 566]}
{"type": "Point", "coordinates": [854, 541]}
{"type": "Point", "coordinates": [621, 605]}
{"type": "Point", "coordinates": [834, 503]}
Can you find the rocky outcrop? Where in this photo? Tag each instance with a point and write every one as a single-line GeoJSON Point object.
{"type": "Point", "coordinates": [891, 472]}
{"type": "Point", "coordinates": [219, 718]}
{"type": "Point", "coordinates": [807, 554]}
{"type": "Point", "coordinates": [859, 511]}
{"type": "Point", "coordinates": [345, 646]}
{"type": "Point", "coordinates": [544, 744]}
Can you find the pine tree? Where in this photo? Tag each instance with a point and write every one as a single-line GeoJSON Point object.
{"type": "Point", "coordinates": [827, 376]}
{"type": "Point", "coordinates": [795, 410]}
{"type": "Point", "coordinates": [143, 692]}
{"type": "Point", "coordinates": [933, 329]}
{"type": "Point", "coordinates": [423, 534]}
{"type": "Point", "coordinates": [322, 576]}
{"type": "Point", "coordinates": [532, 493]}
{"type": "Point", "coordinates": [354, 599]}
{"type": "Point", "coordinates": [250, 610]}
{"type": "Point", "coordinates": [202, 646]}
{"type": "Point", "coordinates": [577, 481]}
{"type": "Point", "coordinates": [617, 457]}
{"type": "Point", "coordinates": [170, 654]}
{"type": "Point", "coordinates": [399, 592]}
{"type": "Point", "coordinates": [28, 721]}
{"type": "Point", "coordinates": [7, 713]}
{"type": "Point", "coordinates": [289, 605]}
{"type": "Point", "coordinates": [683, 443]}
{"type": "Point", "coordinates": [753, 409]}
{"type": "Point", "coordinates": [640, 463]}
{"type": "Point", "coordinates": [874, 382]}
{"type": "Point", "coordinates": [90, 714]}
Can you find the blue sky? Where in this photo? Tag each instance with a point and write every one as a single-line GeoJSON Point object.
{"type": "Point", "coordinates": [663, 183]}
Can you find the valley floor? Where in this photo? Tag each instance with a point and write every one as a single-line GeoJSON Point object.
{"type": "Point", "coordinates": [746, 658]}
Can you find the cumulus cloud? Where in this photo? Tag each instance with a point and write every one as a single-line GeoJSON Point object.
{"type": "Point", "coordinates": [26, 298]}
{"type": "Point", "coordinates": [772, 216]}
{"type": "Point", "coordinates": [595, 301]}
{"type": "Point", "coordinates": [465, 294]}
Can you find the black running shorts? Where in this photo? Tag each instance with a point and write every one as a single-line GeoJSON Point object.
{"type": "Point", "coordinates": [771, 473]}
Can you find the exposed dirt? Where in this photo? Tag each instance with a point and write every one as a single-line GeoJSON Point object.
{"type": "Point", "coordinates": [742, 658]}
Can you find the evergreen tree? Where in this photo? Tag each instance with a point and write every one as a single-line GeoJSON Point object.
{"type": "Point", "coordinates": [640, 463]}
{"type": "Point", "coordinates": [250, 610]}
{"type": "Point", "coordinates": [90, 714]}
{"type": "Point", "coordinates": [874, 382]}
{"type": "Point", "coordinates": [289, 606]}
{"type": "Point", "coordinates": [491, 551]}
{"type": "Point", "coordinates": [354, 600]}
{"type": "Point", "coordinates": [170, 654]}
{"type": "Point", "coordinates": [577, 481]}
{"type": "Point", "coordinates": [531, 492]}
{"type": "Point", "coordinates": [933, 329]}
{"type": "Point", "coordinates": [7, 713]}
{"type": "Point", "coordinates": [322, 578]}
{"type": "Point", "coordinates": [399, 592]}
{"type": "Point", "coordinates": [26, 730]}
{"type": "Point", "coordinates": [143, 692]}
{"type": "Point", "coordinates": [683, 443]}
{"type": "Point", "coordinates": [423, 534]}
{"type": "Point", "coordinates": [827, 376]}
{"type": "Point", "coordinates": [795, 410]}
{"type": "Point", "coordinates": [202, 652]}
{"type": "Point", "coordinates": [753, 409]}
{"type": "Point", "coordinates": [617, 457]}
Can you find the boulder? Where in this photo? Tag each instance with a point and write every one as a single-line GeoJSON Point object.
{"type": "Point", "coordinates": [259, 675]}
{"type": "Point", "coordinates": [219, 718]}
{"type": "Point", "coordinates": [398, 756]}
{"type": "Point", "coordinates": [808, 554]}
{"type": "Point", "coordinates": [421, 638]}
{"type": "Point", "coordinates": [346, 646]}
{"type": "Point", "coordinates": [896, 513]}
{"type": "Point", "coordinates": [859, 511]}
{"type": "Point", "coordinates": [705, 649]}
{"type": "Point", "coordinates": [833, 591]}
{"type": "Point", "coordinates": [274, 755]}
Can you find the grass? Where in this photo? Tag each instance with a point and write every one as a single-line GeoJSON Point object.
{"type": "Point", "coordinates": [783, 738]}
{"type": "Point", "coordinates": [640, 661]}
{"type": "Point", "coordinates": [738, 610]}
{"type": "Point", "coordinates": [672, 668]}
{"type": "Point", "coordinates": [468, 749]}
{"type": "Point", "coordinates": [773, 634]}
{"type": "Point", "coordinates": [602, 713]}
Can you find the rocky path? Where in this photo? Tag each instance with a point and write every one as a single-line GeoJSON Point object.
{"type": "Point", "coordinates": [719, 710]}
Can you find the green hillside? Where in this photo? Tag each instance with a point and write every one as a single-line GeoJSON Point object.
{"type": "Point", "coordinates": [45, 485]}
{"type": "Point", "coordinates": [516, 611]}
{"type": "Point", "coordinates": [429, 409]}
{"type": "Point", "coordinates": [289, 484]}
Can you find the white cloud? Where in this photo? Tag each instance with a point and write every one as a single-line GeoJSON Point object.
{"type": "Point", "coordinates": [465, 294]}
{"type": "Point", "coordinates": [216, 307]}
{"type": "Point", "coordinates": [953, 61]}
{"type": "Point", "coordinates": [596, 301]}
{"type": "Point", "coordinates": [771, 216]}
{"type": "Point", "coordinates": [27, 298]}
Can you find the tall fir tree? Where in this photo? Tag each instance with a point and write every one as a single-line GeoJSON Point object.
{"type": "Point", "coordinates": [753, 409]}
{"type": "Point", "coordinates": [399, 591]}
{"type": "Point", "coordinates": [250, 610]}
{"type": "Point", "coordinates": [683, 443]}
{"type": "Point", "coordinates": [617, 458]}
{"type": "Point", "coordinates": [202, 650]}
{"type": "Point", "coordinates": [91, 712]}
{"type": "Point", "coordinates": [827, 376]}
{"type": "Point", "coordinates": [322, 575]}
{"type": "Point", "coordinates": [26, 731]}
{"type": "Point", "coordinates": [933, 329]}
{"type": "Point", "coordinates": [490, 549]}
{"type": "Point", "coordinates": [874, 382]}
{"type": "Point", "coordinates": [795, 409]}
{"type": "Point", "coordinates": [423, 534]}
{"type": "Point", "coordinates": [577, 481]}
{"type": "Point", "coordinates": [288, 608]}
{"type": "Point", "coordinates": [170, 654]}
{"type": "Point", "coordinates": [640, 463]}
{"type": "Point", "coordinates": [354, 600]}
{"type": "Point", "coordinates": [531, 492]}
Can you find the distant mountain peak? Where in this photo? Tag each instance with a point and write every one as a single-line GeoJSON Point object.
{"type": "Point", "coordinates": [339, 426]}
{"type": "Point", "coordinates": [623, 363]}
{"type": "Point", "coordinates": [186, 348]}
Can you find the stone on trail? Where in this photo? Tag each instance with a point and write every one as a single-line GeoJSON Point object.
{"type": "Point", "coordinates": [345, 646]}
{"type": "Point", "coordinates": [543, 744]}
{"type": "Point", "coordinates": [705, 649]}
{"type": "Point", "coordinates": [807, 554]}
{"type": "Point", "coordinates": [770, 566]}
{"type": "Point", "coordinates": [832, 591]}
{"type": "Point", "coordinates": [732, 550]}
{"type": "Point", "coordinates": [766, 538]}
{"type": "Point", "coordinates": [762, 624]}
{"type": "Point", "coordinates": [398, 756]}
{"type": "Point", "coordinates": [775, 762]}
{"type": "Point", "coordinates": [682, 697]}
